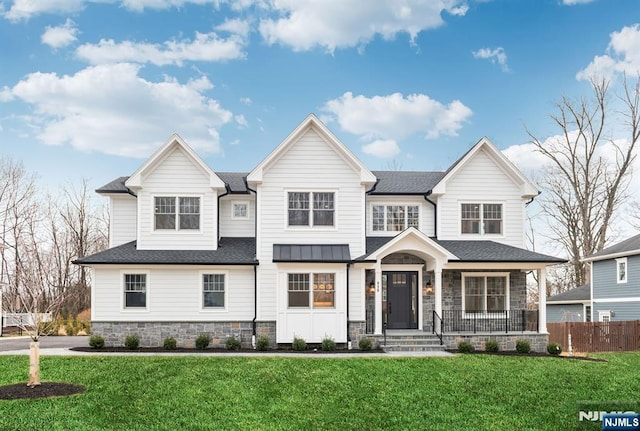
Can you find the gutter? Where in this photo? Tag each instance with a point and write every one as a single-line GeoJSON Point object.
{"type": "Point", "coordinates": [435, 212]}
{"type": "Point", "coordinates": [526, 204]}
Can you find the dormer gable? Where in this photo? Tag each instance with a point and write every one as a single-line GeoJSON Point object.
{"type": "Point", "coordinates": [174, 143]}
{"type": "Point", "coordinates": [312, 123]}
{"type": "Point", "coordinates": [486, 147]}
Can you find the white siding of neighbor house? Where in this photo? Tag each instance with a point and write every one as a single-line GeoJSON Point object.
{"type": "Point", "coordinates": [230, 227]}
{"type": "Point", "coordinates": [310, 164]}
{"type": "Point", "coordinates": [173, 294]}
{"type": "Point", "coordinates": [481, 180]}
{"type": "Point", "coordinates": [177, 175]}
{"type": "Point", "coordinates": [123, 212]}
{"type": "Point", "coordinates": [426, 212]}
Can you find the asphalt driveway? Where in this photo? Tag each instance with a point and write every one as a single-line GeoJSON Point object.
{"type": "Point", "coordinates": [57, 342]}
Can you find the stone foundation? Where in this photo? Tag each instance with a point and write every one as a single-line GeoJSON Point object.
{"type": "Point", "coordinates": [357, 331]}
{"type": "Point", "coordinates": [268, 329]}
{"type": "Point", "coordinates": [506, 342]}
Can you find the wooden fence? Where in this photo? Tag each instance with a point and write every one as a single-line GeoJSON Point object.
{"type": "Point", "coordinates": [596, 336]}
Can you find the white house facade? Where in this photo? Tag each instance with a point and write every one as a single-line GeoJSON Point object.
{"type": "Point", "coordinates": [313, 244]}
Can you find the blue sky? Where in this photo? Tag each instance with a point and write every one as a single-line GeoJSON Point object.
{"type": "Point", "coordinates": [89, 88]}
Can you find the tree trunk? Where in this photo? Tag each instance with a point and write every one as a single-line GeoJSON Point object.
{"type": "Point", "coordinates": [34, 364]}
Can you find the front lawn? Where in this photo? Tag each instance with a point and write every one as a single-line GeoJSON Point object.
{"type": "Point", "coordinates": [472, 392]}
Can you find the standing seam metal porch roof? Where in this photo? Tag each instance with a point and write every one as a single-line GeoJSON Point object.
{"type": "Point", "coordinates": [316, 253]}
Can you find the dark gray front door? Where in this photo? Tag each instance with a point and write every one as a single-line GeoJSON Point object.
{"type": "Point", "coordinates": [401, 300]}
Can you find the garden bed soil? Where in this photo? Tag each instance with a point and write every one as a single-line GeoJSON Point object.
{"type": "Point", "coordinates": [530, 354]}
{"type": "Point", "coordinates": [215, 350]}
{"type": "Point", "coordinates": [45, 390]}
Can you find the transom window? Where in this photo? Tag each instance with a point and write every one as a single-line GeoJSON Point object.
{"type": "Point", "coordinates": [135, 290]}
{"type": "Point", "coordinates": [213, 290]}
{"type": "Point", "coordinates": [317, 289]}
{"type": "Point", "coordinates": [240, 210]}
{"type": "Point", "coordinates": [311, 208]}
{"type": "Point", "coordinates": [187, 216]}
{"type": "Point", "coordinates": [485, 293]}
{"type": "Point", "coordinates": [394, 218]}
{"type": "Point", "coordinates": [481, 218]}
{"type": "Point", "coordinates": [621, 270]}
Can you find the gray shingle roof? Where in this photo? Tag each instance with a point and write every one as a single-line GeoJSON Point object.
{"type": "Point", "coordinates": [405, 182]}
{"type": "Point", "coordinates": [311, 253]}
{"type": "Point", "coordinates": [477, 251]}
{"type": "Point", "coordinates": [235, 181]}
{"type": "Point", "coordinates": [582, 293]}
{"type": "Point", "coordinates": [231, 251]}
{"type": "Point", "coordinates": [628, 245]}
{"type": "Point", "coordinates": [115, 186]}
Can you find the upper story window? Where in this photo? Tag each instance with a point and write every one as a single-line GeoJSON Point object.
{"type": "Point", "coordinates": [394, 218]}
{"type": "Point", "coordinates": [182, 213]}
{"type": "Point", "coordinates": [481, 218]}
{"type": "Point", "coordinates": [311, 208]}
{"type": "Point", "coordinates": [240, 210]}
{"type": "Point", "coordinates": [621, 270]}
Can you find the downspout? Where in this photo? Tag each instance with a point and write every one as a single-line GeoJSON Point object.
{"type": "Point", "coordinates": [348, 335]}
{"type": "Point", "coordinates": [255, 267]}
{"type": "Point", "coordinates": [435, 212]}
{"type": "Point", "coordinates": [226, 187]}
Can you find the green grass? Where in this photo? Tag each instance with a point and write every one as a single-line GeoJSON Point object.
{"type": "Point", "coordinates": [473, 392]}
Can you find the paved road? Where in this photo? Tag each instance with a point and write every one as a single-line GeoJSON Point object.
{"type": "Point", "coordinates": [22, 343]}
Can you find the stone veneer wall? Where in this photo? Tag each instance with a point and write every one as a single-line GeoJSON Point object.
{"type": "Point", "coordinates": [506, 342]}
{"type": "Point", "coordinates": [268, 329]}
{"type": "Point", "coordinates": [357, 331]}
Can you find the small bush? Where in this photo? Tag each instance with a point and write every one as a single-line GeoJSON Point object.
{"type": "Point", "coordinates": [132, 342]}
{"type": "Point", "coordinates": [523, 346]}
{"type": "Point", "coordinates": [233, 343]}
{"type": "Point", "coordinates": [86, 327]}
{"type": "Point", "coordinates": [202, 341]}
{"type": "Point", "coordinates": [71, 327]}
{"type": "Point", "coordinates": [465, 347]}
{"type": "Point", "coordinates": [299, 344]}
{"type": "Point", "coordinates": [170, 343]}
{"type": "Point", "coordinates": [96, 342]}
{"type": "Point", "coordinates": [554, 349]}
{"type": "Point", "coordinates": [262, 343]}
{"type": "Point", "coordinates": [328, 344]}
{"type": "Point", "coordinates": [491, 346]}
{"type": "Point", "coordinates": [365, 344]}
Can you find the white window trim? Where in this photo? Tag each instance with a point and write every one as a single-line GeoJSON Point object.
{"type": "Point", "coordinates": [311, 226]}
{"type": "Point", "coordinates": [233, 213]}
{"type": "Point", "coordinates": [602, 314]}
{"type": "Point", "coordinates": [311, 308]}
{"type": "Point", "coordinates": [385, 204]}
{"type": "Point", "coordinates": [147, 289]}
{"type": "Point", "coordinates": [507, 298]}
{"type": "Point", "coordinates": [201, 292]}
{"type": "Point", "coordinates": [177, 230]}
{"type": "Point", "coordinates": [482, 203]}
{"type": "Point", "coordinates": [626, 270]}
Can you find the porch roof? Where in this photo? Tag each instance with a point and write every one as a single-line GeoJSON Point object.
{"type": "Point", "coordinates": [318, 253]}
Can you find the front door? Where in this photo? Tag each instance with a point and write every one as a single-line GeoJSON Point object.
{"type": "Point", "coordinates": [402, 299]}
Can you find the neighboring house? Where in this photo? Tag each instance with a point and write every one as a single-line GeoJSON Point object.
{"type": "Point", "coordinates": [571, 306]}
{"type": "Point", "coordinates": [311, 243]}
{"type": "Point", "coordinates": [615, 281]}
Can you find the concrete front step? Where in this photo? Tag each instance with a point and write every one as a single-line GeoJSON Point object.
{"type": "Point", "coordinates": [419, 348]}
{"type": "Point", "coordinates": [412, 343]}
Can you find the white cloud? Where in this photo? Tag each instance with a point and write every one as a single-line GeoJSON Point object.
{"type": "Point", "coordinates": [246, 101]}
{"type": "Point", "coordinates": [241, 121]}
{"type": "Point", "coordinates": [111, 109]}
{"type": "Point", "coordinates": [623, 55]}
{"type": "Point", "coordinates": [396, 117]}
{"type": "Point", "coordinates": [59, 37]}
{"type": "Point", "coordinates": [24, 9]}
{"type": "Point", "coordinates": [575, 2]}
{"type": "Point", "coordinates": [235, 26]}
{"type": "Point", "coordinates": [383, 149]}
{"type": "Point", "coordinates": [204, 47]}
{"type": "Point", "coordinates": [306, 24]}
{"type": "Point", "coordinates": [496, 55]}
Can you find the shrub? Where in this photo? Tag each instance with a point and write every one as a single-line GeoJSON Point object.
{"type": "Point", "coordinates": [132, 342]}
{"type": "Point", "coordinates": [96, 342]}
{"type": "Point", "coordinates": [554, 349]}
{"type": "Point", "coordinates": [491, 346]}
{"type": "Point", "coordinates": [202, 341]}
{"type": "Point", "coordinates": [328, 344]}
{"type": "Point", "coordinates": [170, 343]}
{"type": "Point", "coordinates": [71, 327]}
{"type": "Point", "coordinates": [87, 327]}
{"type": "Point", "coordinates": [262, 343]}
{"type": "Point", "coordinates": [523, 346]}
{"type": "Point", "coordinates": [299, 344]}
{"type": "Point", "coordinates": [465, 347]}
{"type": "Point", "coordinates": [233, 343]}
{"type": "Point", "coordinates": [365, 344]}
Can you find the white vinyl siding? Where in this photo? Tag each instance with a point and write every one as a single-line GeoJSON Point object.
{"type": "Point", "coordinates": [237, 227]}
{"type": "Point", "coordinates": [123, 213]}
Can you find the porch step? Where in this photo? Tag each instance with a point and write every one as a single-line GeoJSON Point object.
{"type": "Point", "coordinates": [416, 342]}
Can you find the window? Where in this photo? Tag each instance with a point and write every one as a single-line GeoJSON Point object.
{"type": "Point", "coordinates": [317, 289]}
{"type": "Point", "coordinates": [604, 315]}
{"type": "Point", "coordinates": [186, 218]}
{"type": "Point", "coordinates": [135, 290]}
{"type": "Point", "coordinates": [485, 292]}
{"type": "Point", "coordinates": [621, 265]}
{"type": "Point", "coordinates": [240, 210]}
{"type": "Point", "coordinates": [394, 218]}
{"type": "Point", "coordinates": [587, 313]}
{"type": "Point", "coordinates": [213, 290]}
{"type": "Point", "coordinates": [481, 218]}
{"type": "Point", "coordinates": [302, 214]}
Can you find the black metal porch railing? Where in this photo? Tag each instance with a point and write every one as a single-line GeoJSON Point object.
{"type": "Point", "coordinates": [489, 321]}
{"type": "Point", "coordinates": [437, 326]}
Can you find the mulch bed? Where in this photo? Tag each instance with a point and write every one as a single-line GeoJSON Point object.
{"type": "Point", "coordinates": [213, 350]}
{"type": "Point", "coordinates": [45, 390]}
{"type": "Point", "coordinates": [530, 354]}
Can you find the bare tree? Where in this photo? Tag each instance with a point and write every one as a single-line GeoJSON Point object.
{"type": "Point", "coordinates": [588, 175]}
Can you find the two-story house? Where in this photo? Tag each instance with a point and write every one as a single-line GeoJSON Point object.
{"type": "Point", "coordinates": [311, 243]}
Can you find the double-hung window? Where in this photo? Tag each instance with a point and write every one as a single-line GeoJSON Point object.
{"type": "Point", "coordinates": [481, 219]}
{"type": "Point", "coordinates": [182, 213]}
{"type": "Point", "coordinates": [213, 288]}
{"type": "Point", "coordinates": [311, 208]}
{"type": "Point", "coordinates": [394, 218]}
{"type": "Point", "coordinates": [315, 290]}
{"type": "Point", "coordinates": [135, 290]}
{"type": "Point", "coordinates": [485, 293]}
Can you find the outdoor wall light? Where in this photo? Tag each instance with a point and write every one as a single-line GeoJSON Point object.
{"type": "Point", "coordinates": [428, 288]}
{"type": "Point", "coordinates": [372, 288]}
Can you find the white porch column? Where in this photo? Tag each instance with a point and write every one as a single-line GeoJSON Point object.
{"type": "Point", "coordinates": [542, 300]}
{"type": "Point", "coordinates": [378, 299]}
{"type": "Point", "coordinates": [438, 294]}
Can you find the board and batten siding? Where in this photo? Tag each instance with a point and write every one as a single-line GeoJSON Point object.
{"type": "Point", "coordinates": [122, 226]}
{"type": "Point", "coordinates": [310, 164]}
{"type": "Point", "coordinates": [173, 294]}
{"type": "Point", "coordinates": [605, 283]}
{"type": "Point", "coordinates": [234, 227]}
{"type": "Point", "coordinates": [481, 180]}
{"type": "Point", "coordinates": [176, 175]}
{"type": "Point", "coordinates": [556, 312]}
{"type": "Point", "coordinates": [425, 208]}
